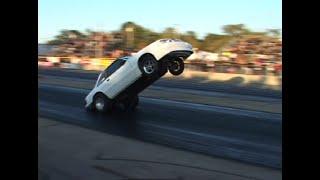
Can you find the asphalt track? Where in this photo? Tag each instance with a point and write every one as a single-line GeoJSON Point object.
{"type": "Point", "coordinates": [191, 84]}
{"type": "Point", "coordinates": [248, 136]}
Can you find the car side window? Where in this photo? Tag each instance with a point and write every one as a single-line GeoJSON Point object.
{"type": "Point", "coordinates": [114, 67]}
{"type": "Point", "coordinates": [111, 69]}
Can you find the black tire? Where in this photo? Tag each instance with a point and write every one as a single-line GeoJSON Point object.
{"type": "Point", "coordinates": [101, 103]}
{"type": "Point", "coordinates": [148, 65]}
{"type": "Point", "coordinates": [176, 66]}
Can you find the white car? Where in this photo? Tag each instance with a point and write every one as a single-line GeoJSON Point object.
{"type": "Point", "coordinates": [126, 77]}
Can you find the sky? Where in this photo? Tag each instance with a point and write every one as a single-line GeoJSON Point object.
{"type": "Point", "coordinates": [201, 16]}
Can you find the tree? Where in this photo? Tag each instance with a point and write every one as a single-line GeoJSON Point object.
{"type": "Point", "coordinates": [213, 42]}
{"type": "Point", "coordinates": [139, 36]}
{"type": "Point", "coordinates": [235, 29]}
{"type": "Point", "coordinates": [127, 24]}
{"type": "Point", "coordinates": [191, 37]}
{"type": "Point", "coordinates": [169, 33]}
{"type": "Point", "coordinates": [67, 36]}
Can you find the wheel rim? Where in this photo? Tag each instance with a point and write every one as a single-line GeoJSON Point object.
{"type": "Point", "coordinates": [99, 104]}
{"type": "Point", "coordinates": [149, 66]}
{"type": "Point", "coordinates": [175, 66]}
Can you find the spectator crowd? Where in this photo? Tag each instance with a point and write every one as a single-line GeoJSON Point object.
{"type": "Point", "coordinates": [246, 54]}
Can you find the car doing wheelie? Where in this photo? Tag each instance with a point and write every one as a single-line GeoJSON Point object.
{"type": "Point", "coordinates": [126, 77]}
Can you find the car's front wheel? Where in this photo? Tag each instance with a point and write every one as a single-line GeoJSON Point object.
{"type": "Point", "coordinates": [176, 66]}
{"type": "Point", "coordinates": [148, 65]}
{"type": "Point", "coordinates": [101, 103]}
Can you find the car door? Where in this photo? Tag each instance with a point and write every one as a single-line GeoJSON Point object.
{"type": "Point", "coordinates": [110, 78]}
{"type": "Point", "coordinates": [121, 78]}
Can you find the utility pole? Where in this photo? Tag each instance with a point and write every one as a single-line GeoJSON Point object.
{"type": "Point", "coordinates": [130, 36]}
{"type": "Point", "coordinates": [95, 45]}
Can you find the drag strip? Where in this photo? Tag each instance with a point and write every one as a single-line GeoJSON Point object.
{"type": "Point", "coordinates": [190, 84]}
{"type": "Point", "coordinates": [179, 90]}
{"type": "Point", "coordinates": [243, 135]}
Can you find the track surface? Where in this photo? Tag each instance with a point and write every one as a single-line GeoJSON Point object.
{"type": "Point", "coordinates": [192, 84]}
{"type": "Point", "coordinates": [248, 136]}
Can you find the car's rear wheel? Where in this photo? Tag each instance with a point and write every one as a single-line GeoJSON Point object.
{"type": "Point", "coordinates": [148, 65]}
{"type": "Point", "coordinates": [176, 66]}
{"type": "Point", "coordinates": [101, 103]}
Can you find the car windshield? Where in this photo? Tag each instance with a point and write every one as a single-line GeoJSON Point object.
{"type": "Point", "coordinates": [170, 40]}
{"type": "Point", "coordinates": [125, 58]}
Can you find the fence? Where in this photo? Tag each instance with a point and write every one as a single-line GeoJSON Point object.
{"type": "Point", "coordinates": [233, 68]}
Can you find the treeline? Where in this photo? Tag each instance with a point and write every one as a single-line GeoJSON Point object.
{"type": "Point", "coordinates": [133, 36]}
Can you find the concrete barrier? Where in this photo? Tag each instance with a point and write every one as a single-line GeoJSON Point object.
{"type": "Point", "coordinates": [270, 81]}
